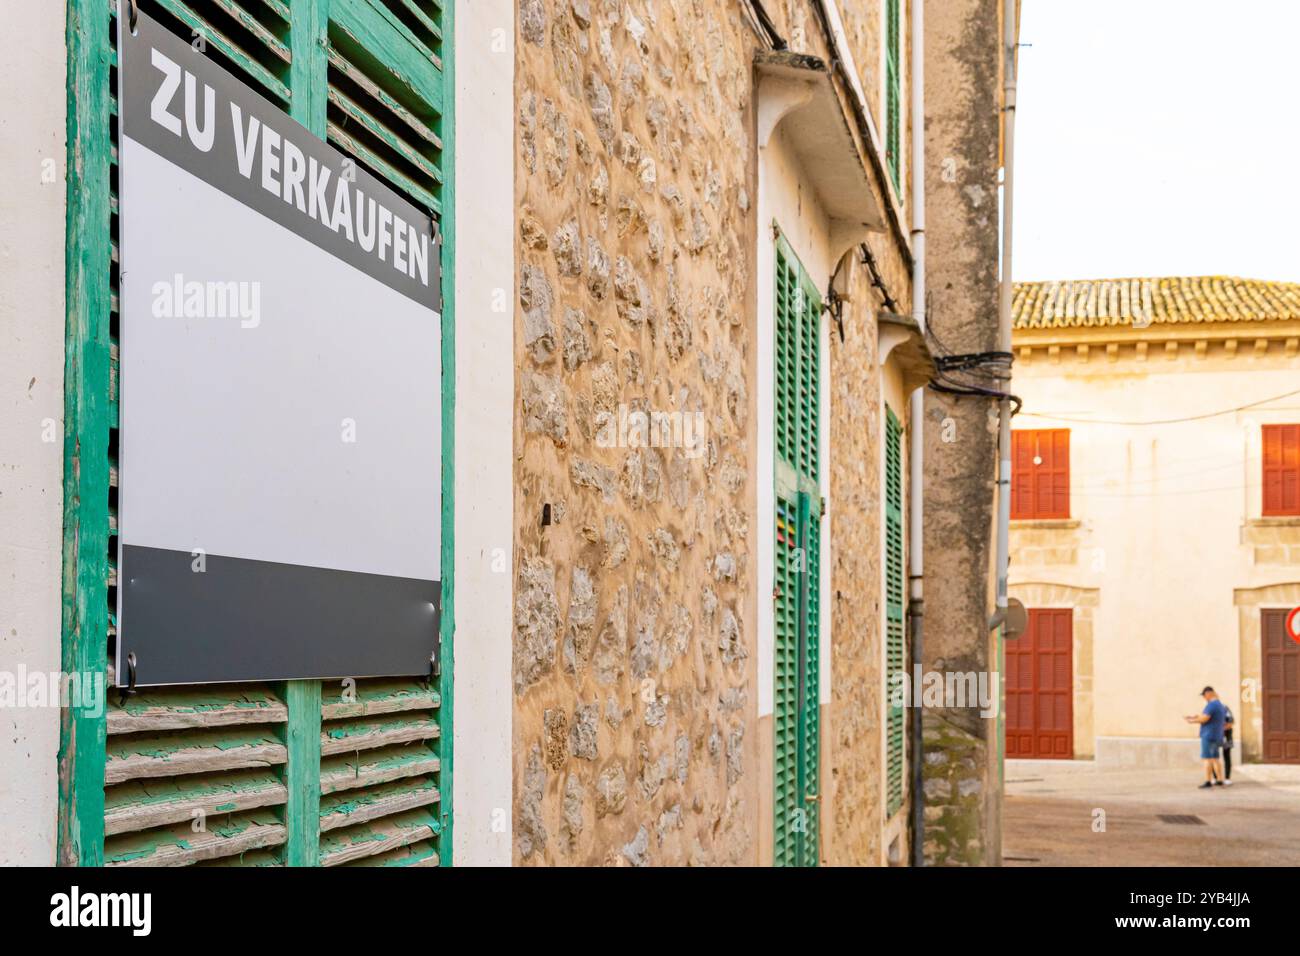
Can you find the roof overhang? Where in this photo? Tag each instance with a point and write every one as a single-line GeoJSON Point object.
{"type": "Point", "coordinates": [796, 94]}
{"type": "Point", "coordinates": [903, 342]}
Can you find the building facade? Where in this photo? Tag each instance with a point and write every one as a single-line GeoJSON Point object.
{"type": "Point", "coordinates": [1155, 516]}
{"type": "Point", "coordinates": [679, 348]}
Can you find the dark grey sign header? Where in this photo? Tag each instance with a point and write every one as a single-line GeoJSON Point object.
{"type": "Point", "coordinates": [183, 106]}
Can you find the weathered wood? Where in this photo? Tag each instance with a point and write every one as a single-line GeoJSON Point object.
{"type": "Point", "coordinates": [446, 128]}
{"type": "Point", "coordinates": [389, 41]}
{"type": "Point", "coordinates": [385, 697]}
{"type": "Point", "coordinates": [346, 808]}
{"type": "Point", "coordinates": [156, 710]}
{"type": "Point", "coordinates": [249, 858]}
{"type": "Point", "coordinates": [339, 738]}
{"type": "Point", "coordinates": [140, 804]}
{"type": "Point", "coordinates": [341, 63]}
{"type": "Point", "coordinates": [384, 133]}
{"type": "Point", "coordinates": [86, 476]}
{"type": "Point", "coordinates": [229, 48]}
{"type": "Point", "coordinates": [278, 7]}
{"type": "Point", "coordinates": [255, 26]}
{"type": "Point", "coordinates": [372, 767]}
{"type": "Point", "coordinates": [134, 757]}
{"type": "Point", "coordinates": [308, 78]}
{"type": "Point", "coordinates": [421, 18]}
{"type": "Point", "coordinates": [422, 854]}
{"type": "Point", "coordinates": [387, 171]}
{"type": "Point", "coordinates": [367, 839]}
{"type": "Point", "coordinates": [180, 846]}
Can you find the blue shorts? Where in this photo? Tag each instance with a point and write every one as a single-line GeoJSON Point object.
{"type": "Point", "coordinates": [1209, 749]}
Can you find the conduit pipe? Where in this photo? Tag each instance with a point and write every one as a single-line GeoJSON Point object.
{"type": "Point", "coordinates": [916, 429]}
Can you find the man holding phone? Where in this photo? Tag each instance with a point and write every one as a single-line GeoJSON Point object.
{"type": "Point", "coordinates": [1211, 720]}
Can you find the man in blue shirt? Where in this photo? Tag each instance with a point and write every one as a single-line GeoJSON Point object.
{"type": "Point", "coordinates": [1211, 720]}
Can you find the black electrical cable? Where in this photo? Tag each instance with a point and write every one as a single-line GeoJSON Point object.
{"type": "Point", "coordinates": [877, 281]}
{"type": "Point", "coordinates": [775, 38]}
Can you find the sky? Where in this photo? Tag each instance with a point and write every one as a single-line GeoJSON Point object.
{"type": "Point", "coordinates": [1157, 137]}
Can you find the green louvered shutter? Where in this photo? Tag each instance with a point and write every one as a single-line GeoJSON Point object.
{"type": "Point", "coordinates": [893, 92]}
{"type": "Point", "coordinates": [894, 589]}
{"type": "Point", "coordinates": [381, 777]}
{"type": "Point", "coordinates": [796, 600]}
{"type": "Point", "coordinates": [299, 773]}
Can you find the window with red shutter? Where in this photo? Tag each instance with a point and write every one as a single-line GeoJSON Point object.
{"type": "Point", "coordinates": [1281, 469]}
{"type": "Point", "coordinates": [1040, 473]}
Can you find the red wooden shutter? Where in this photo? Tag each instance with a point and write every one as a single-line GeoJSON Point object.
{"type": "Point", "coordinates": [1281, 469]}
{"type": "Point", "coordinates": [1039, 673]}
{"type": "Point", "coordinates": [1281, 688]}
{"type": "Point", "coordinates": [1040, 473]}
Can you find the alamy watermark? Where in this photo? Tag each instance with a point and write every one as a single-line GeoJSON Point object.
{"type": "Point", "coordinates": [948, 689]}
{"type": "Point", "coordinates": [654, 429]}
{"type": "Point", "coordinates": [82, 690]}
{"type": "Point", "coordinates": [179, 298]}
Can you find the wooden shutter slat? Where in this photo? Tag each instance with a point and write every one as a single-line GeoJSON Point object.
{"type": "Point", "coordinates": [346, 844]}
{"type": "Point", "coordinates": [895, 651]}
{"type": "Point", "coordinates": [1280, 478]}
{"type": "Point", "coordinates": [181, 845]}
{"type": "Point", "coordinates": [1040, 491]}
{"type": "Point", "coordinates": [796, 608]}
{"type": "Point", "coordinates": [238, 56]}
{"type": "Point", "coordinates": [346, 808]}
{"type": "Point", "coordinates": [143, 804]}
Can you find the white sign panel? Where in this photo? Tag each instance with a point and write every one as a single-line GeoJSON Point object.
{"type": "Point", "coordinates": [280, 447]}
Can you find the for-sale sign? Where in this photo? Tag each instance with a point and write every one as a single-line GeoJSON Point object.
{"type": "Point", "coordinates": [280, 391]}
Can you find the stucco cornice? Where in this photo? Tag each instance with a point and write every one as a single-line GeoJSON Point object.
{"type": "Point", "coordinates": [1228, 339]}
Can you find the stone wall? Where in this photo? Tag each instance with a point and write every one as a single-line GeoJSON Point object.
{"type": "Point", "coordinates": [962, 82]}
{"type": "Point", "coordinates": [634, 610]}
{"type": "Point", "coordinates": [635, 721]}
{"type": "Point", "coordinates": [854, 725]}
{"type": "Point", "coordinates": [1273, 542]}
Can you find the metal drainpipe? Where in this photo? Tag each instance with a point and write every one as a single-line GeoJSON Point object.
{"type": "Point", "coordinates": [916, 424]}
{"type": "Point", "coordinates": [1009, 35]}
{"type": "Point", "coordinates": [1004, 307]}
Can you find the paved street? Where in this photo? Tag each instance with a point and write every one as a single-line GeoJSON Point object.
{"type": "Point", "coordinates": [1050, 808]}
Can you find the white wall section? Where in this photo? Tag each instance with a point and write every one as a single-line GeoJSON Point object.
{"type": "Point", "coordinates": [33, 153]}
{"type": "Point", "coordinates": [485, 271]}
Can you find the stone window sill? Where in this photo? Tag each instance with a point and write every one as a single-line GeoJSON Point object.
{"type": "Point", "coordinates": [1273, 521]}
{"type": "Point", "coordinates": [1045, 524]}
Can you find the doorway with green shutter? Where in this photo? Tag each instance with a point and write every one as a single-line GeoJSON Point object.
{"type": "Point", "coordinates": [796, 597]}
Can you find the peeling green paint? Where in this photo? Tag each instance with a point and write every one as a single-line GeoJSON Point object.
{"type": "Point", "coordinates": [87, 370]}
{"type": "Point", "coordinates": [419, 88]}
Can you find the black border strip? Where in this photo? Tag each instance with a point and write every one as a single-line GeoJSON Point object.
{"type": "Point", "coordinates": [241, 619]}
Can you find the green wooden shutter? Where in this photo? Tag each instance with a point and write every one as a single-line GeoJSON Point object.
{"type": "Point", "coordinates": [796, 600]}
{"type": "Point", "coordinates": [295, 773]}
{"type": "Point", "coordinates": [893, 92]}
{"type": "Point", "coordinates": [894, 589]}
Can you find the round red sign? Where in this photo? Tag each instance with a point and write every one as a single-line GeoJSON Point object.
{"type": "Point", "coordinates": [1293, 624]}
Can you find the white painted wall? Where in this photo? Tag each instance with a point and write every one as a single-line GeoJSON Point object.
{"type": "Point", "coordinates": [32, 131]}
{"type": "Point", "coordinates": [786, 199]}
{"type": "Point", "coordinates": [1163, 513]}
{"type": "Point", "coordinates": [483, 699]}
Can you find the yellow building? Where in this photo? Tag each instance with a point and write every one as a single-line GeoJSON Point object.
{"type": "Point", "coordinates": [1155, 532]}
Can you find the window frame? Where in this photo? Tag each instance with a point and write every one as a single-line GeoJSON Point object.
{"type": "Point", "coordinates": [1036, 509]}
{"type": "Point", "coordinates": [1287, 445]}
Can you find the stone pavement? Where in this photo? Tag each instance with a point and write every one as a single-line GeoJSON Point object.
{"type": "Point", "coordinates": [1050, 808]}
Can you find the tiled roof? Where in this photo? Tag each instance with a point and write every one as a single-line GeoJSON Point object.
{"type": "Point", "coordinates": [1176, 299]}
